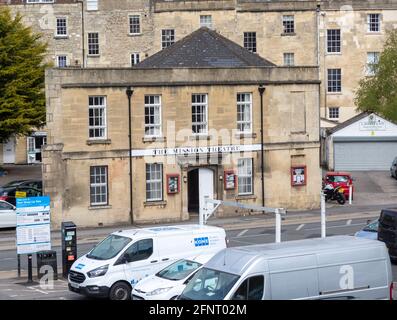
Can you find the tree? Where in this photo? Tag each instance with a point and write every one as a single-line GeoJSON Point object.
{"type": "Point", "coordinates": [22, 97]}
{"type": "Point", "coordinates": [379, 92]}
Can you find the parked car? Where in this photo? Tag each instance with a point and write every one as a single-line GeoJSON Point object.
{"type": "Point", "coordinates": [10, 194]}
{"type": "Point", "coordinates": [8, 217]}
{"type": "Point", "coordinates": [168, 283]}
{"type": "Point", "coordinates": [343, 179]}
{"type": "Point", "coordinates": [119, 262]}
{"type": "Point", "coordinates": [370, 231]}
{"type": "Point", "coordinates": [337, 267]}
{"type": "Point", "coordinates": [393, 169]}
{"type": "Point", "coordinates": [387, 231]}
{"type": "Point", "coordinates": [31, 183]}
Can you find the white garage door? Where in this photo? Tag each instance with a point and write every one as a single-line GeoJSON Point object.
{"type": "Point", "coordinates": [350, 156]}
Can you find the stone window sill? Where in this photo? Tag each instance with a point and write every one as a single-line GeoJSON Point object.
{"type": "Point", "coordinates": [61, 37]}
{"type": "Point", "coordinates": [161, 204]}
{"type": "Point", "coordinates": [243, 135]}
{"type": "Point", "coordinates": [246, 197]}
{"type": "Point", "coordinates": [93, 55]}
{"type": "Point", "coordinates": [100, 207]}
{"type": "Point", "coordinates": [334, 93]}
{"type": "Point", "coordinates": [104, 141]}
{"type": "Point", "coordinates": [154, 139]}
{"type": "Point", "coordinates": [134, 34]}
{"type": "Point", "coordinates": [200, 137]}
{"type": "Point", "coordinates": [291, 34]}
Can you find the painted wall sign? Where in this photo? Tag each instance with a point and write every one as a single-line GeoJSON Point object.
{"type": "Point", "coordinates": [33, 224]}
{"type": "Point", "coordinates": [298, 176]}
{"type": "Point", "coordinates": [194, 150]}
{"type": "Point", "coordinates": [372, 123]}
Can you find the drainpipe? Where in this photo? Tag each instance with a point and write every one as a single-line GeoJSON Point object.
{"type": "Point", "coordinates": [129, 93]}
{"type": "Point", "coordinates": [82, 33]}
{"type": "Point", "coordinates": [261, 90]}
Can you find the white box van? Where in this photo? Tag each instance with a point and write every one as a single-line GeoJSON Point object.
{"type": "Point", "coordinates": [117, 263]}
{"type": "Point", "coordinates": [340, 267]}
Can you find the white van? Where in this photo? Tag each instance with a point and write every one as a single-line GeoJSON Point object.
{"type": "Point", "coordinates": [168, 283]}
{"type": "Point", "coordinates": [339, 267]}
{"type": "Point", "coordinates": [117, 263]}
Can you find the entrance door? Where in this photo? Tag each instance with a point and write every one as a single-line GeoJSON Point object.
{"type": "Point", "coordinates": [206, 187]}
{"type": "Point", "coordinates": [9, 151]}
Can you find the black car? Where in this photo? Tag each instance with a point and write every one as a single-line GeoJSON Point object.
{"type": "Point", "coordinates": [29, 183]}
{"type": "Point", "coordinates": [387, 231]}
{"type": "Point", "coordinates": [10, 194]}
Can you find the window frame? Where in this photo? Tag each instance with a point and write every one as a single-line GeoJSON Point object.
{"type": "Point", "coordinates": [333, 42]}
{"type": "Point", "coordinates": [61, 35]}
{"type": "Point", "coordinates": [133, 58]}
{"type": "Point", "coordinates": [153, 181]}
{"type": "Point", "coordinates": [93, 44]}
{"type": "Point", "coordinates": [287, 24]}
{"type": "Point", "coordinates": [334, 84]}
{"type": "Point", "coordinates": [104, 114]}
{"type": "Point", "coordinates": [131, 25]}
{"type": "Point", "coordinates": [66, 60]}
{"type": "Point", "coordinates": [197, 104]}
{"type": "Point", "coordinates": [289, 64]}
{"type": "Point", "coordinates": [100, 184]}
{"type": "Point", "coordinates": [153, 125]}
{"type": "Point", "coordinates": [371, 23]}
{"type": "Point", "coordinates": [163, 35]}
{"type": "Point", "coordinates": [239, 175]}
{"type": "Point", "coordinates": [332, 111]}
{"type": "Point", "coordinates": [206, 24]}
{"type": "Point", "coordinates": [244, 104]}
{"type": "Point", "coordinates": [250, 41]}
{"type": "Point", "coordinates": [369, 71]}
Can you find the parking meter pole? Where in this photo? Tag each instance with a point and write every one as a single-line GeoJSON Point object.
{"type": "Point", "coordinates": [323, 234]}
{"type": "Point", "coordinates": [19, 265]}
{"type": "Point", "coordinates": [30, 273]}
{"type": "Point", "coordinates": [278, 225]}
{"type": "Point", "coordinates": [350, 194]}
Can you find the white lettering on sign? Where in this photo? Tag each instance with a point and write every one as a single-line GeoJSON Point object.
{"type": "Point", "coordinates": [347, 279]}
{"type": "Point", "coordinates": [194, 150]}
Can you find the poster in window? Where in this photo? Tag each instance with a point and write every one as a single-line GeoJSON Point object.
{"type": "Point", "coordinates": [298, 176]}
{"type": "Point", "coordinates": [173, 183]}
{"type": "Point", "coordinates": [230, 180]}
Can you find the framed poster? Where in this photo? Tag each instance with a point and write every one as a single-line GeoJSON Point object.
{"type": "Point", "coordinates": [298, 176]}
{"type": "Point", "coordinates": [173, 183]}
{"type": "Point", "coordinates": [229, 180]}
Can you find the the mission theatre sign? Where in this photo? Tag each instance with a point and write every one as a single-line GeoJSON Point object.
{"type": "Point", "coordinates": [194, 150]}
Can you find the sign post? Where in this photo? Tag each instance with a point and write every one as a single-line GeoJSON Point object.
{"type": "Point", "coordinates": [33, 228]}
{"type": "Point", "coordinates": [322, 203]}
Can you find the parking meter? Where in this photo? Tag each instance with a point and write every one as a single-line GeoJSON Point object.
{"type": "Point", "coordinates": [69, 246]}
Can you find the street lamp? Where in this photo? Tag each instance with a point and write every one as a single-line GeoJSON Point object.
{"type": "Point", "coordinates": [261, 90]}
{"type": "Point", "coordinates": [129, 93]}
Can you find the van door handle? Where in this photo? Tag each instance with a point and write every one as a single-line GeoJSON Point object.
{"type": "Point", "coordinates": [165, 259]}
{"type": "Point", "coordinates": [153, 261]}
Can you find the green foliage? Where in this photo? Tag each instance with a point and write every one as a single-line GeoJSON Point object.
{"type": "Point", "coordinates": [379, 93]}
{"type": "Point", "coordinates": [22, 99]}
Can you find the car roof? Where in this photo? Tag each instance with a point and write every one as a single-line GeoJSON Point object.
{"type": "Point", "coordinates": [237, 260]}
{"type": "Point", "coordinates": [390, 211]}
{"type": "Point", "coordinates": [338, 173]}
{"type": "Point", "coordinates": [163, 230]}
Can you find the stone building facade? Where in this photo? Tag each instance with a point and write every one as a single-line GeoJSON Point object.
{"type": "Point", "coordinates": [196, 131]}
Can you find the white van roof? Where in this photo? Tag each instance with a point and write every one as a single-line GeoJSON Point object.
{"type": "Point", "coordinates": [235, 260]}
{"type": "Point", "coordinates": [165, 230]}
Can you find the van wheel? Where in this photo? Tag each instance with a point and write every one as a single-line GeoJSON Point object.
{"type": "Point", "coordinates": [120, 291]}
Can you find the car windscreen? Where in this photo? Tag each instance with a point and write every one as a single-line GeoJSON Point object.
{"type": "Point", "coordinates": [339, 178]}
{"type": "Point", "coordinates": [209, 284]}
{"type": "Point", "coordinates": [178, 270]}
{"type": "Point", "coordinates": [109, 247]}
{"type": "Point", "coordinates": [372, 227]}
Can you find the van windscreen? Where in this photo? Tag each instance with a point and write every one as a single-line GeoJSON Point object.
{"type": "Point", "coordinates": [209, 284]}
{"type": "Point", "coordinates": [109, 248]}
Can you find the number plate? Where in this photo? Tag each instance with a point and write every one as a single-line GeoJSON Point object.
{"type": "Point", "coordinates": [75, 285]}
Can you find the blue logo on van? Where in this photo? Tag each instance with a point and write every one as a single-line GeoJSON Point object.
{"type": "Point", "coordinates": [80, 266]}
{"type": "Point", "coordinates": [199, 242]}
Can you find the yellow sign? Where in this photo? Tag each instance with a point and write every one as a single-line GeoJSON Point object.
{"type": "Point", "coordinates": [20, 194]}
